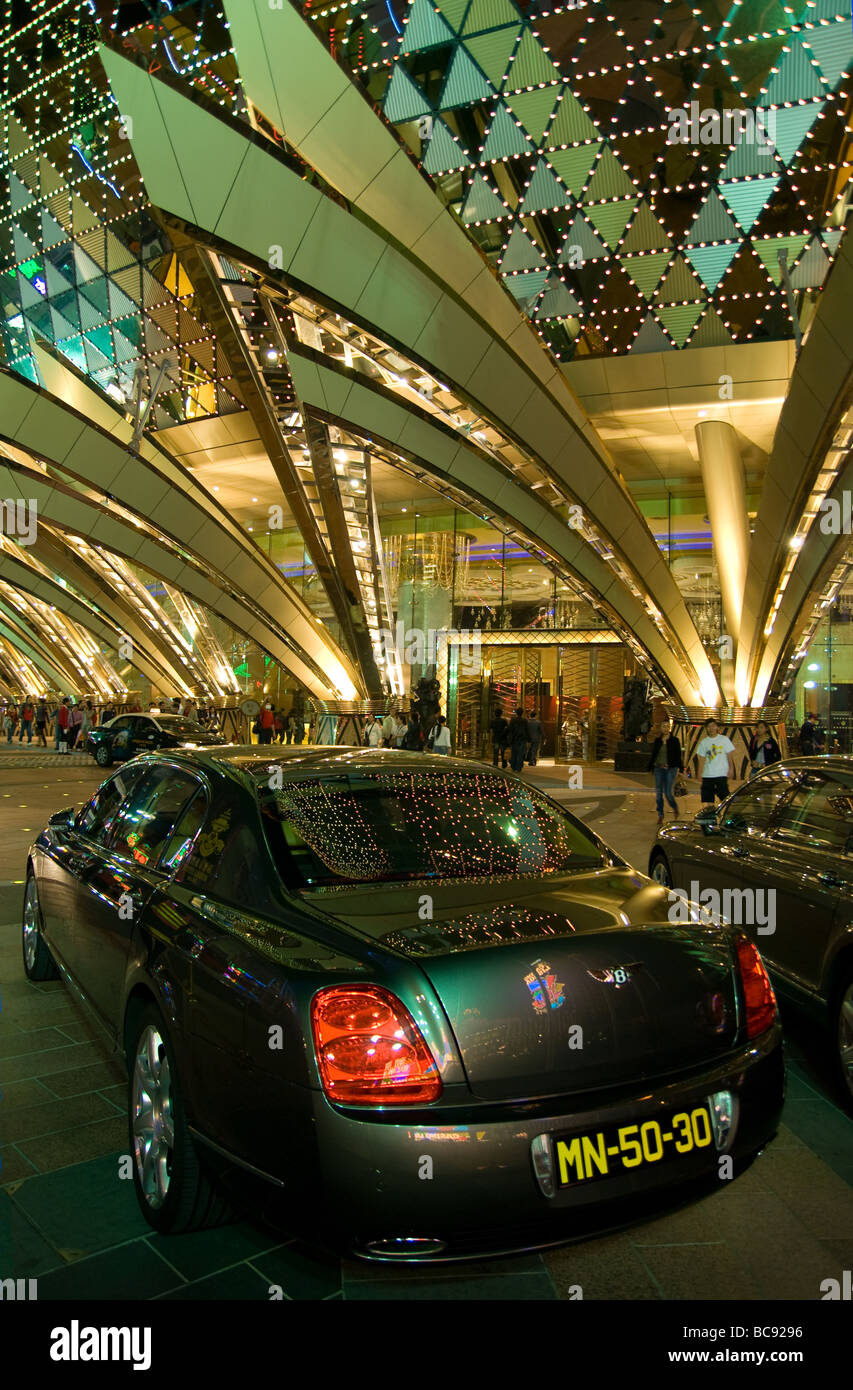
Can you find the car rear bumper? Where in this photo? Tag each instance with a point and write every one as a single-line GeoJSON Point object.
{"type": "Point", "coordinates": [471, 1189]}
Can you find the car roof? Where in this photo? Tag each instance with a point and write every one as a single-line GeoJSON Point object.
{"type": "Point", "coordinates": [319, 757]}
{"type": "Point", "coordinates": [839, 760]}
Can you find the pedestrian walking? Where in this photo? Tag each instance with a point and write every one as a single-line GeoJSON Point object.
{"type": "Point", "coordinates": [63, 722]}
{"type": "Point", "coordinates": [500, 738]}
{"type": "Point", "coordinates": [666, 761]}
{"type": "Point", "coordinates": [27, 713]}
{"type": "Point", "coordinates": [75, 724]}
{"type": "Point", "coordinates": [518, 740]}
{"type": "Point", "coordinates": [266, 724]}
{"type": "Point", "coordinates": [87, 723]}
{"type": "Point", "coordinates": [414, 740]}
{"type": "Point", "coordinates": [812, 736]}
{"type": "Point", "coordinates": [535, 731]}
{"type": "Point", "coordinates": [718, 764]}
{"type": "Point", "coordinates": [441, 737]}
{"type": "Point", "coordinates": [42, 721]}
{"type": "Point", "coordinates": [373, 732]}
{"type": "Point", "coordinates": [10, 721]}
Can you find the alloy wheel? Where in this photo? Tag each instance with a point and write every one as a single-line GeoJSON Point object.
{"type": "Point", "coordinates": [31, 924]}
{"type": "Point", "coordinates": [661, 874]}
{"type": "Point", "coordinates": [153, 1125]}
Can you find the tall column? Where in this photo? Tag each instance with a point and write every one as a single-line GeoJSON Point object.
{"type": "Point", "coordinates": [725, 493]}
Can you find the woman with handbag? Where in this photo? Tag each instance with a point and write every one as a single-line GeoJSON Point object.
{"type": "Point", "coordinates": [666, 761]}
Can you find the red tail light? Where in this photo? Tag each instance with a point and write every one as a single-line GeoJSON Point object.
{"type": "Point", "coordinates": [757, 989]}
{"type": "Point", "coordinates": [369, 1048]}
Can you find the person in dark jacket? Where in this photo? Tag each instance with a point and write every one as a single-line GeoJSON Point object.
{"type": "Point", "coordinates": [413, 739]}
{"type": "Point", "coordinates": [519, 738]}
{"type": "Point", "coordinates": [500, 738]}
{"type": "Point", "coordinates": [534, 730]}
{"type": "Point", "coordinates": [666, 761]}
{"type": "Point", "coordinates": [763, 749]}
{"type": "Point", "coordinates": [812, 737]}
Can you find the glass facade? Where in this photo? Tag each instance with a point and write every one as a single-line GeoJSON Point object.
{"type": "Point", "coordinates": [824, 682]}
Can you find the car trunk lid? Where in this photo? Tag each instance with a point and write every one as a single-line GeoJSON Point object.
{"type": "Point", "coordinates": [578, 984]}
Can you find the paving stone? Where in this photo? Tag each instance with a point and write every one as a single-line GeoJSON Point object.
{"type": "Point", "coordinates": [609, 1268]}
{"type": "Point", "coordinates": [301, 1273]}
{"type": "Point", "coordinates": [521, 1288]}
{"type": "Point", "coordinates": [48, 1063]}
{"type": "Point", "coordinates": [39, 1040]}
{"type": "Point", "coordinates": [705, 1272]}
{"type": "Point", "coordinates": [53, 1116]}
{"type": "Point", "coordinates": [24, 1252]}
{"type": "Point", "coordinates": [205, 1252]}
{"type": "Point", "coordinates": [17, 1094]}
{"type": "Point", "coordinates": [132, 1271]}
{"type": "Point", "coordinates": [13, 1165]}
{"type": "Point", "coordinates": [76, 1145]}
{"type": "Point", "coordinates": [242, 1284]}
{"type": "Point", "coordinates": [819, 1198]}
{"type": "Point", "coordinates": [86, 1207]}
{"type": "Point", "coordinates": [106, 1073]}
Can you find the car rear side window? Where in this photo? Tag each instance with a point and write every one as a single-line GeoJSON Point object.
{"type": "Point", "coordinates": [96, 820]}
{"type": "Point", "coordinates": [751, 809]}
{"type": "Point", "coordinates": [182, 839]}
{"type": "Point", "coordinates": [148, 820]}
{"type": "Point", "coordinates": [819, 815]}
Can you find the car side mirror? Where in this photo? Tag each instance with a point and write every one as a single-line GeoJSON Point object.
{"type": "Point", "coordinates": [66, 817]}
{"type": "Point", "coordinates": [707, 817]}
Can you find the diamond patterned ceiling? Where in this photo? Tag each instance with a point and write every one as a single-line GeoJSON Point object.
{"type": "Point", "coordinates": [546, 129]}
{"type": "Point", "coordinates": [82, 262]}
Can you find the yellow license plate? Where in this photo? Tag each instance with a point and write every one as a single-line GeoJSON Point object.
{"type": "Point", "coordinates": [606, 1152]}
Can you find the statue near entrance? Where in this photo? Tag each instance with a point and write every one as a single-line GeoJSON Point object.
{"type": "Point", "coordinates": [426, 702]}
{"type": "Point", "coordinates": [636, 709]}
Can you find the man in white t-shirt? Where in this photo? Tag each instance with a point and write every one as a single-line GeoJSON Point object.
{"type": "Point", "coordinates": [718, 764]}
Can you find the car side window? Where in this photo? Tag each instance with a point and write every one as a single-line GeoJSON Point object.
{"type": "Point", "coordinates": [118, 724]}
{"type": "Point", "coordinates": [96, 820]}
{"type": "Point", "coordinates": [750, 810]}
{"type": "Point", "coordinates": [182, 839]}
{"type": "Point", "coordinates": [148, 819]}
{"type": "Point", "coordinates": [819, 815]}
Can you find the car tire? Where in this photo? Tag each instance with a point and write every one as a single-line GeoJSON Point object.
{"type": "Point", "coordinates": [659, 869]}
{"type": "Point", "coordinates": [104, 755]}
{"type": "Point", "coordinates": [841, 1023]}
{"type": "Point", "coordinates": [38, 962]}
{"type": "Point", "coordinates": [174, 1193]}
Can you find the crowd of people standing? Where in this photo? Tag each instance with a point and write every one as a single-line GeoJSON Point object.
{"type": "Point", "coordinates": [407, 732]}
{"type": "Point", "coordinates": [67, 722]}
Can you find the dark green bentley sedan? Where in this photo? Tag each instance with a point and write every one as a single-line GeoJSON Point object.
{"type": "Point", "coordinates": [404, 1003]}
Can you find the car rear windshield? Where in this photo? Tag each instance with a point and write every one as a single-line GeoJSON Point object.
{"type": "Point", "coordinates": [383, 827]}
